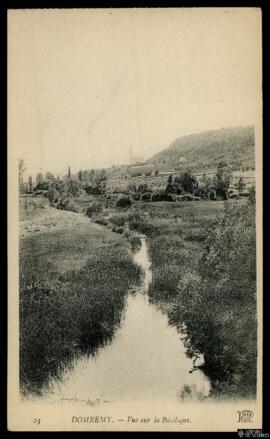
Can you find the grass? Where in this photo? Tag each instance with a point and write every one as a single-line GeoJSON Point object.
{"type": "Point", "coordinates": [73, 283]}
{"type": "Point", "coordinates": [175, 232]}
{"type": "Point", "coordinates": [214, 300]}
{"type": "Point", "coordinates": [212, 304]}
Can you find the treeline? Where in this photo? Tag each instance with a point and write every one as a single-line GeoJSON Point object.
{"type": "Point", "coordinates": [61, 190]}
{"type": "Point", "coordinates": [184, 187]}
{"type": "Point", "coordinates": [187, 186]}
{"type": "Point", "coordinates": [216, 188]}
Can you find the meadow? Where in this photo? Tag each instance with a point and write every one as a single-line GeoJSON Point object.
{"type": "Point", "coordinates": [73, 279]}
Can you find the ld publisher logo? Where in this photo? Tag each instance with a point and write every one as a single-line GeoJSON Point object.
{"type": "Point", "coordinates": [245, 416]}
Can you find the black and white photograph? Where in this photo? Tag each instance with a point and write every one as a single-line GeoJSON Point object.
{"type": "Point", "coordinates": [135, 219]}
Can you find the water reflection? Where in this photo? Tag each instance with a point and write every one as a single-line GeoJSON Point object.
{"type": "Point", "coordinates": [145, 360]}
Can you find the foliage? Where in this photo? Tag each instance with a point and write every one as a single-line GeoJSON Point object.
{"type": "Point", "coordinates": [30, 184]}
{"type": "Point", "coordinates": [187, 181]}
{"type": "Point", "coordinates": [240, 185]}
{"type": "Point", "coordinates": [94, 209]}
{"type": "Point", "coordinates": [94, 181]}
{"type": "Point", "coordinates": [139, 192]}
{"type": "Point", "coordinates": [222, 180]}
{"type": "Point", "coordinates": [66, 204]}
{"type": "Point", "coordinates": [133, 238]}
{"type": "Point", "coordinates": [174, 188]}
{"type": "Point", "coordinates": [161, 196]}
{"type": "Point", "coordinates": [49, 176]}
{"type": "Point", "coordinates": [205, 187]}
{"type": "Point", "coordinates": [39, 178]}
{"type": "Point", "coordinates": [146, 196]}
{"type": "Point", "coordinates": [123, 202]}
{"type": "Point", "coordinates": [221, 295]}
{"type": "Point", "coordinates": [118, 220]}
{"type": "Point", "coordinates": [101, 221]}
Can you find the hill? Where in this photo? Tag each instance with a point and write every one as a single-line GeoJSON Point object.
{"type": "Point", "coordinates": [236, 146]}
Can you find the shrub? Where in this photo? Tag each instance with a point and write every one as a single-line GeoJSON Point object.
{"type": "Point", "coordinates": [187, 181]}
{"type": "Point", "coordinates": [66, 204]}
{"type": "Point", "coordinates": [166, 280]}
{"type": "Point", "coordinates": [136, 196]}
{"type": "Point", "coordinates": [133, 239]}
{"type": "Point", "coordinates": [161, 196]}
{"type": "Point", "coordinates": [186, 197]}
{"type": "Point", "coordinates": [124, 202]}
{"type": "Point", "coordinates": [174, 188]}
{"type": "Point", "coordinates": [39, 192]}
{"type": "Point", "coordinates": [144, 227]}
{"type": "Point", "coordinates": [118, 229]}
{"type": "Point", "coordinates": [222, 297]}
{"type": "Point", "coordinates": [196, 235]}
{"type": "Point", "coordinates": [146, 196]}
{"type": "Point", "coordinates": [101, 221]}
{"type": "Point", "coordinates": [118, 220]}
{"type": "Point", "coordinates": [212, 195]}
{"type": "Point", "coordinates": [94, 209]}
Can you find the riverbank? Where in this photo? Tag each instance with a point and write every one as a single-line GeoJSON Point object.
{"type": "Point", "coordinates": [73, 278]}
{"type": "Point", "coordinates": [203, 259]}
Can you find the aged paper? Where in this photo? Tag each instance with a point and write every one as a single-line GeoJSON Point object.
{"type": "Point", "coordinates": [94, 89]}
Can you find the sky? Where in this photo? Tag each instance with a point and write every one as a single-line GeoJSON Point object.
{"type": "Point", "coordinates": [85, 85]}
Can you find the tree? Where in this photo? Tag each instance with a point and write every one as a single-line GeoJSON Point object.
{"type": "Point", "coordinates": [170, 179]}
{"type": "Point", "coordinates": [80, 175]}
{"type": "Point", "coordinates": [69, 172]}
{"type": "Point", "coordinates": [240, 185]}
{"type": "Point", "coordinates": [39, 178]}
{"type": "Point", "coordinates": [222, 180]}
{"type": "Point", "coordinates": [21, 170]}
{"type": "Point", "coordinates": [205, 186]}
{"type": "Point", "coordinates": [252, 196]}
{"type": "Point", "coordinates": [30, 184]}
{"type": "Point", "coordinates": [103, 175]}
{"type": "Point", "coordinates": [73, 188]}
{"type": "Point", "coordinates": [187, 181]}
{"type": "Point", "coordinates": [22, 186]}
{"type": "Point", "coordinates": [49, 176]}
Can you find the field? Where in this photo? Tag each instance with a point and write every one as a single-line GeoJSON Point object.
{"type": "Point", "coordinates": [65, 240]}
{"type": "Point", "coordinates": [120, 184]}
{"type": "Point", "coordinates": [73, 278]}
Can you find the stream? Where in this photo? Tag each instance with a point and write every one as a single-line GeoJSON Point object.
{"type": "Point", "coordinates": [146, 359]}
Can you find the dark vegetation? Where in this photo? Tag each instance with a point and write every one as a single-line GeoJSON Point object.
{"type": "Point", "coordinates": [215, 306]}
